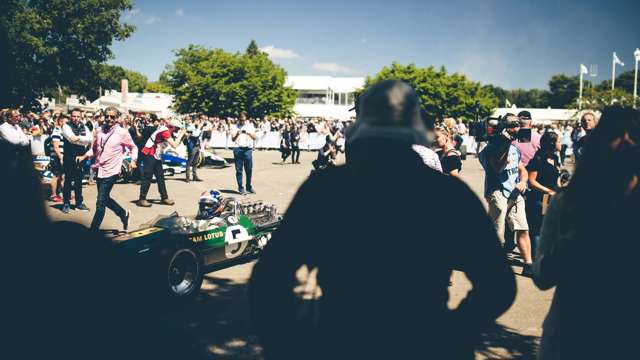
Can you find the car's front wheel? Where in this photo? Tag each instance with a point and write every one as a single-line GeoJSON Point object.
{"type": "Point", "coordinates": [184, 273]}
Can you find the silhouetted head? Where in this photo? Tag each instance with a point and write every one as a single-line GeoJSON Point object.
{"type": "Point", "coordinates": [390, 110]}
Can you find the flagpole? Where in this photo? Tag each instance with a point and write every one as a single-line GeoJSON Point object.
{"type": "Point", "coordinates": [635, 81]}
{"type": "Point", "coordinates": [580, 96]}
{"type": "Point", "coordinates": [613, 75]}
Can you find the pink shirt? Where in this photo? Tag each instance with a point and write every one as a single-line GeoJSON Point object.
{"type": "Point", "coordinates": [108, 150]}
{"type": "Point", "coordinates": [528, 150]}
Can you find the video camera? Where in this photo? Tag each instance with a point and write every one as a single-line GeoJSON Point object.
{"type": "Point", "coordinates": [497, 129]}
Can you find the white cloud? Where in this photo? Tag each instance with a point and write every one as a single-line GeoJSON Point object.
{"type": "Point", "coordinates": [276, 53]}
{"type": "Point", "coordinates": [180, 12]}
{"type": "Point", "coordinates": [152, 19]}
{"type": "Point", "coordinates": [332, 67]}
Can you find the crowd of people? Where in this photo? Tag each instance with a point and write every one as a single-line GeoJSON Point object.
{"type": "Point", "coordinates": [561, 232]}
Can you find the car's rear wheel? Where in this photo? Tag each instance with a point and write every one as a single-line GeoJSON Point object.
{"type": "Point", "coordinates": [184, 273]}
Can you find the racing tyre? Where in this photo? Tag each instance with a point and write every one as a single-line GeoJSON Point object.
{"type": "Point", "coordinates": [184, 273]}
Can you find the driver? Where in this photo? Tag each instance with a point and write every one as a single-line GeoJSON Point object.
{"type": "Point", "coordinates": [210, 205]}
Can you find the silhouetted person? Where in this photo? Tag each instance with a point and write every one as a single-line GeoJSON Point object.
{"type": "Point", "coordinates": [69, 293]}
{"type": "Point", "coordinates": [382, 271]}
{"type": "Point", "coordinates": [589, 248]}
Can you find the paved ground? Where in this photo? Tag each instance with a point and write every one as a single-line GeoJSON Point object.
{"type": "Point", "coordinates": [218, 322]}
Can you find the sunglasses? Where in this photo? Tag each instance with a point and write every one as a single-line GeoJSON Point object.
{"type": "Point", "coordinates": [111, 116]}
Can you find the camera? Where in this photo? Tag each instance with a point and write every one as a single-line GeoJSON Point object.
{"type": "Point", "coordinates": [501, 129]}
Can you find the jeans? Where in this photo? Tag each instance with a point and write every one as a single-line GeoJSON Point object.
{"type": "Point", "coordinates": [192, 160]}
{"type": "Point", "coordinates": [104, 200]}
{"type": "Point", "coordinates": [152, 166]}
{"type": "Point", "coordinates": [295, 154]}
{"type": "Point", "coordinates": [72, 180]}
{"type": "Point", "coordinates": [243, 158]}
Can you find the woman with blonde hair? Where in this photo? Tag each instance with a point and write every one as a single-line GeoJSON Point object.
{"type": "Point", "coordinates": [449, 156]}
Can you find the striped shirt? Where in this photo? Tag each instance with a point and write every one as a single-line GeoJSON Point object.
{"type": "Point", "coordinates": [56, 135]}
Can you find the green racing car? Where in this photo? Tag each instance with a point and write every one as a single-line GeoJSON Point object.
{"type": "Point", "coordinates": [178, 251]}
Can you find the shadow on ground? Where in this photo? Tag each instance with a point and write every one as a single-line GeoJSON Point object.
{"type": "Point", "coordinates": [217, 323]}
{"type": "Point", "coordinates": [501, 342]}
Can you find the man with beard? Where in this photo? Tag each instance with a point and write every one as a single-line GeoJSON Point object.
{"type": "Point", "coordinates": [111, 140]}
{"type": "Point", "coordinates": [375, 286]}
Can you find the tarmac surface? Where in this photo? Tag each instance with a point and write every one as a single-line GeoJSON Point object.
{"type": "Point", "coordinates": [218, 322]}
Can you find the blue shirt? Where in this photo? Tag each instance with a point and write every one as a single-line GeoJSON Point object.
{"type": "Point", "coordinates": [506, 179]}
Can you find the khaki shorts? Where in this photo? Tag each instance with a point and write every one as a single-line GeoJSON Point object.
{"type": "Point", "coordinates": [498, 206]}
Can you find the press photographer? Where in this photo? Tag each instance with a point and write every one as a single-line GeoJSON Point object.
{"type": "Point", "coordinates": [505, 182]}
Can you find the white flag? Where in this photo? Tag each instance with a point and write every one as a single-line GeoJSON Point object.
{"type": "Point", "coordinates": [507, 103]}
{"type": "Point", "coordinates": [637, 54]}
{"type": "Point", "coordinates": [616, 60]}
{"type": "Point", "coordinates": [583, 69]}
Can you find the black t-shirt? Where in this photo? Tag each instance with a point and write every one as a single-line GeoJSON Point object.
{"type": "Point", "coordinates": [451, 161]}
{"type": "Point", "coordinates": [547, 173]}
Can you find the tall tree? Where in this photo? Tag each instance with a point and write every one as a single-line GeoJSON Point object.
{"type": "Point", "coordinates": [252, 49]}
{"type": "Point", "coordinates": [216, 82]}
{"type": "Point", "coordinates": [442, 95]}
{"type": "Point", "coordinates": [52, 44]}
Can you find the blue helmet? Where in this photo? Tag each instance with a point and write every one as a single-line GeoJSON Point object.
{"type": "Point", "coordinates": [210, 205]}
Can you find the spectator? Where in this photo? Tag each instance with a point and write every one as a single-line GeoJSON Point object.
{"type": "Point", "coordinates": [565, 143]}
{"type": "Point", "coordinates": [589, 246]}
{"type": "Point", "coordinates": [449, 156]}
{"type": "Point", "coordinates": [192, 142]}
{"type": "Point", "coordinates": [303, 305]}
{"type": "Point", "coordinates": [108, 151]}
{"type": "Point", "coordinates": [527, 148]}
{"type": "Point", "coordinates": [588, 122]}
{"type": "Point", "coordinates": [285, 143]}
{"type": "Point", "coordinates": [11, 132]}
{"type": "Point", "coordinates": [56, 153]}
{"type": "Point", "coordinates": [295, 145]}
{"type": "Point", "coordinates": [504, 183]}
{"type": "Point", "coordinates": [243, 134]}
{"type": "Point", "coordinates": [152, 160]}
{"type": "Point", "coordinates": [543, 170]}
{"type": "Point", "coordinates": [77, 139]}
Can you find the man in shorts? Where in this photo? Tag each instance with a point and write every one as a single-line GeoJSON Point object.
{"type": "Point", "coordinates": [505, 181]}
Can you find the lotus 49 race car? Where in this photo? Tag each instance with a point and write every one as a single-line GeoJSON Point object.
{"type": "Point", "coordinates": [180, 250]}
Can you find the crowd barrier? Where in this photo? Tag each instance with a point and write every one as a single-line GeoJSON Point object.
{"type": "Point", "coordinates": [268, 140]}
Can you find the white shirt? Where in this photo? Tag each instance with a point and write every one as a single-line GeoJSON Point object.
{"type": "Point", "coordinates": [82, 140]}
{"type": "Point", "coordinates": [244, 140]}
{"type": "Point", "coordinates": [13, 134]}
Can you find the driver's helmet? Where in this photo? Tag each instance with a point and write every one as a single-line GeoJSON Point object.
{"type": "Point", "coordinates": [210, 205]}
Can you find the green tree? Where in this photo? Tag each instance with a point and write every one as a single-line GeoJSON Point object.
{"type": "Point", "coordinates": [532, 98]}
{"type": "Point", "coordinates": [442, 95]}
{"type": "Point", "coordinates": [252, 49]}
{"type": "Point", "coordinates": [216, 82]}
{"type": "Point", "coordinates": [624, 81]}
{"type": "Point", "coordinates": [54, 44]}
{"type": "Point", "coordinates": [160, 86]}
{"type": "Point", "coordinates": [597, 98]}
{"type": "Point", "coordinates": [563, 90]}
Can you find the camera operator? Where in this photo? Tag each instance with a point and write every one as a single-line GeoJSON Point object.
{"type": "Point", "coordinates": [152, 159]}
{"type": "Point", "coordinates": [243, 134]}
{"type": "Point", "coordinates": [192, 142]}
{"type": "Point", "coordinates": [505, 182]}
{"type": "Point", "coordinates": [527, 140]}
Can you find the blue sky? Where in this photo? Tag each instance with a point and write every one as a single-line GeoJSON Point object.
{"type": "Point", "coordinates": [513, 44]}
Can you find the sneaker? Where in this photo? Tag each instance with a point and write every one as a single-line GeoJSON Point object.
{"type": "Point", "coordinates": [55, 198]}
{"type": "Point", "coordinates": [125, 220]}
{"type": "Point", "coordinates": [167, 202]}
{"type": "Point", "coordinates": [251, 191]}
{"type": "Point", "coordinates": [197, 179]}
{"type": "Point", "coordinates": [527, 270]}
{"type": "Point", "coordinates": [143, 203]}
{"type": "Point", "coordinates": [66, 208]}
{"type": "Point", "coordinates": [82, 207]}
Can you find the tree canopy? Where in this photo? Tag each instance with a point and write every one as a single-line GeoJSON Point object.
{"type": "Point", "coordinates": [216, 82]}
{"type": "Point", "coordinates": [441, 94]}
{"type": "Point", "coordinates": [109, 77]}
{"type": "Point", "coordinates": [49, 44]}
